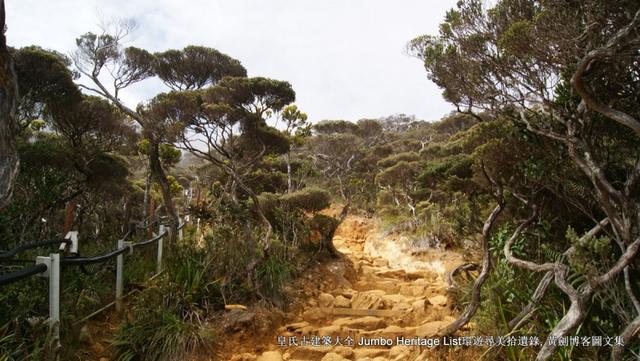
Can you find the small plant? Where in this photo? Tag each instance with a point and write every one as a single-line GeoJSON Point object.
{"type": "Point", "coordinates": [273, 274]}
{"type": "Point", "coordinates": [161, 335]}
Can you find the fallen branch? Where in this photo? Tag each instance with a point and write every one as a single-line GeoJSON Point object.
{"type": "Point", "coordinates": [465, 267]}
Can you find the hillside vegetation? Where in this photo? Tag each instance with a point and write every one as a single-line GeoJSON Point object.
{"type": "Point", "coordinates": [534, 182]}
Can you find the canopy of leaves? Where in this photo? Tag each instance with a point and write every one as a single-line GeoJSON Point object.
{"type": "Point", "coordinates": [195, 67]}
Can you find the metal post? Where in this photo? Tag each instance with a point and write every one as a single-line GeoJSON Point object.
{"type": "Point", "coordinates": [160, 243]}
{"type": "Point", "coordinates": [54, 302]}
{"type": "Point", "coordinates": [119, 278]}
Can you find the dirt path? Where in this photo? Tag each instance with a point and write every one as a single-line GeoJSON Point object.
{"type": "Point", "coordinates": [394, 295]}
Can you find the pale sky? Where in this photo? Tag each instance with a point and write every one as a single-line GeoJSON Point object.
{"type": "Point", "coordinates": [344, 58]}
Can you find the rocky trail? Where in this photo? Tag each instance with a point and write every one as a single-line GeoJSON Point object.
{"type": "Point", "coordinates": [350, 308]}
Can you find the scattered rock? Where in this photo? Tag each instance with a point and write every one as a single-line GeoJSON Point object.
{"type": "Point", "coordinates": [341, 302]}
{"type": "Point", "coordinates": [361, 353]}
{"type": "Point", "coordinates": [296, 326]}
{"type": "Point", "coordinates": [239, 319]}
{"type": "Point", "coordinates": [344, 351]}
{"type": "Point", "coordinates": [367, 323]}
{"type": "Point", "coordinates": [439, 300]}
{"type": "Point", "coordinates": [332, 356]}
{"type": "Point", "coordinates": [241, 357]}
{"type": "Point", "coordinates": [325, 300]}
{"type": "Point", "coordinates": [313, 314]}
{"type": "Point", "coordinates": [330, 331]}
{"type": "Point", "coordinates": [308, 352]}
{"type": "Point", "coordinates": [235, 307]}
{"type": "Point", "coordinates": [270, 356]}
{"type": "Point", "coordinates": [420, 306]}
{"type": "Point", "coordinates": [430, 329]}
{"type": "Point", "coordinates": [369, 300]}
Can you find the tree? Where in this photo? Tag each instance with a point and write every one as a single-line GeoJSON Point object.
{"type": "Point", "coordinates": [195, 67]}
{"type": "Point", "coordinates": [297, 128]}
{"type": "Point", "coordinates": [568, 72]}
{"type": "Point", "coordinates": [44, 83]}
{"type": "Point", "coordinates": [226, 125]}
{"type": "Point", "coordinates": [8, 99]}
{"type": "Point", "coordinates": [186, 69]}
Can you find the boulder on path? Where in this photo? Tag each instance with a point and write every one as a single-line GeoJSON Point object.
{"type": "Point", "coordinates": [439, 300]}
{"type": "Point", "coordinates": [242, 357]}
{"type": "Point", "coordinates": [367, 323]}
{"type": "Point", "coordinates": [325, 300]}
{"type": "Point", "coordinates": [238, 319]}
{"type": "Point", "coordinates": [368, 300]}
{"type": "Point", "coordinates": [296, 326]}
{"type": "Point", "coordinates": [332, 356]}
{"type": "Point", "coordinates": [344, 351]}
{"type": "Point", "coordinates": [341, 302]}
{"type": "Point", "coordinates": [430, 329]}
{"type": "Point", "coordinates": [270, 356]}
{"type": "Point", "coordinates": [362, 353]}
{"type": "Point", "coordinates": [308, 352]}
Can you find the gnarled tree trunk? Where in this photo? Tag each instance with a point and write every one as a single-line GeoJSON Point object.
{"type": "Point", "coordinates": [8, 97]}
{"type": "Point", "coordinates": [158, 173]}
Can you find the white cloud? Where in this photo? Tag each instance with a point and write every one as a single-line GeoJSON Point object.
{"type": "Point", "coordinates": [343, 58]}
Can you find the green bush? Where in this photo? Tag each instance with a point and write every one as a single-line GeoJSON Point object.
{"type": "Point", "coordinates": [169, 319]}
{"type": "Point", "coordinates": [273, 274]}
{"type": "Point", "coordinates": [161, 335]}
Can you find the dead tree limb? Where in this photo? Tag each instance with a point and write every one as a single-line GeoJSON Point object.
{"type": "Point", "coordinates": [474, 304]}
{"type": "Point", "coordinates": [465, 267]}
{"type": "Point", "coordinates": [627, 335]}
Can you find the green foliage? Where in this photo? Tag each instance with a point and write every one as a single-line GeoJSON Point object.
{"type": "Point", "coordinates": [395, 158]}
{"type": "Point", "coordinates": [169, 318]}
{"type": "Point", "coordinates": [586, 249]}
{"type": "Point", "coordinates": [195, 67]}
{"type": "Point", "coordinates": [307, 200]}
{"type": "Point", "coordinates": [169, 154]}
{"type": "Point", "coordinates": [159, 335]}
{"type": "Point", "coordinates": [273, 274]}
{"type": "Point", "coordinates": [333, 127]}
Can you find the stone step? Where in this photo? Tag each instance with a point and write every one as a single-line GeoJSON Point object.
{"type": "Point", "coordinates": [359, 312]}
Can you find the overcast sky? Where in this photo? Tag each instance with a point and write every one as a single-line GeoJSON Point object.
{"type": "Point", "coordinates": [344, 58]}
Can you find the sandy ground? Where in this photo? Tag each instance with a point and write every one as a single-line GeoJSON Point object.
{"type": "Point", "coordinates": [363, 306]}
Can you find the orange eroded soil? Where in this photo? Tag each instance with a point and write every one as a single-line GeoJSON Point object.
{"type": "Point", "coordinates": [378, 290]}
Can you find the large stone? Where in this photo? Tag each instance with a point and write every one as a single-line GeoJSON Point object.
{"type": "Point", "coordinates": [313, 314]}
{"type": "Point", "coordinates": [380, 262]}
{"type": "Point", "coordinates": [308, 352]}
{"type": "Point", "coordinates": [369, 300]}
{"type": "Point", "coordinates": [390, 332]}
{"type": "Point", "coordinates": [396, 351]}
{"type": "Point", "coordinates": [325, 300]}
{"type": "Point", "coordinates": [242, 357]}
{"type": "Point", "coordinates": [330, 331]}
{"type": "Point", "coordinates": [296, 326]}
{"type": "Point", "coordinates": [430, 329]}
{"type": "Point", "coordinates": [439, 300]}
{"type": "Point", "coordinates": [332, 356]}
{"type": "Point", "coordinates": [341, 302]}
{"type": "Point", "coordinates": [392, 273]}
{"type": "Point", "coordinates": [420, 306]}
{"type": "Point", "coordinates": [367, 323]}
{"type": "Point", "coordinates": [239, 319]}
{"type": "Point", "coordinates": [344, 351]}
{"type": "Point", "coordinates": [362, 353]}
{"type": "Point", "coordinates": [389, 301]}
{"type": "Point", "coordinates": [270, 356]}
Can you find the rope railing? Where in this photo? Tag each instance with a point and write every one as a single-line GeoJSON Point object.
{"type": "Point", "coordinates": [24, 247]}
{"type": "Point", "coordinates": [23, 273]}
{"type": "Point", "coordinates": [50, 267]}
